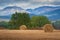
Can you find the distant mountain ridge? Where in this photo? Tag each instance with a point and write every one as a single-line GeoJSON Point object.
{"type": "Point", "coordinates": [13, 7]}
{"type": "Point", "coordinates": [50, 11]}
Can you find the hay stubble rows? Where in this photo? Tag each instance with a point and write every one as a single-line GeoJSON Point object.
{"type": "Point", "coordinates": [29, 35]}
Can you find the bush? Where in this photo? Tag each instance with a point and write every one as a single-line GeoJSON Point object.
{"type": "Point", "coordinates": [48, 28]}
{"type": "Point", "coordinates": [23, 27]}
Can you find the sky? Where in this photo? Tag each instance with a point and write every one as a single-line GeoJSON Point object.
{"type": "Point", "coordinates": [28, 3]}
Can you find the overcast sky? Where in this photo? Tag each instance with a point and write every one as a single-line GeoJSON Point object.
{"type": "Point", "coordinates": [28, 3]}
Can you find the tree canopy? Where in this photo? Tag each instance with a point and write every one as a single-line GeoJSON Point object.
{"type": "Point", "coordinates": [39, 21]}
{"type": "Point", "coordinates": [56, 24]}
{"type": "Point", "coordinates": [19, 19]}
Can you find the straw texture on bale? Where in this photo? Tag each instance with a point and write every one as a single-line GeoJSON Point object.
{"type": "Point", "coordinates": [48, 28]}
{"type": "Point", "coordinates": [23, 27]}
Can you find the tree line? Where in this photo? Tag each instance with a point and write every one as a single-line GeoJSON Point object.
{"type": "Point", "coordinates": [18, 19]}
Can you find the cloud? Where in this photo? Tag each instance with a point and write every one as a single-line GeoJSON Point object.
{"type": "Point", "coordinates": [51, 15]}
{"type": "Point", "coordinates": [4, 20]}
{"type": "Point", "coordinates": [4, 3]}
{"type": "Point", "coordinates": [28, 3]}
{"type": "Point", "coordinates": [45, 2]}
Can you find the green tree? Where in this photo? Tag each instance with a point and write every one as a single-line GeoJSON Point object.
{"type": "Point", "coordinates": [39, 21]}
{"type": "Point", "coordinates": [4, 24]}
{"type": "Point", "coordinates": [19, 19]}
{"type": "Point", "coordinates": [56, 24]}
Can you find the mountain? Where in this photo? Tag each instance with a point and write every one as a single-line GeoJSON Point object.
{"type": "Point", "coordinates": [41, 10]}
{"type": "Point", "coordinates": [5, 17]}
{"type": "Point", "coordinates": [51, 12]}
{"type": "Point", "coordinates": [6, 12]}
{"type": "Point", "coordinates": [13, 7]}
{"type": "Point", "coordinates": [55, 15]}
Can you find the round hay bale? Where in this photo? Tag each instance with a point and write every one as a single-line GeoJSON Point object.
{"type": "Point", "coordinates": [23, 27]}
{"type": "Point", "coordinates": [48, 28]}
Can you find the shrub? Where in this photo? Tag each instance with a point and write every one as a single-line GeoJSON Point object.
{"type": "Point", "coordinates": [48, 28]}
{"type": "Point", "coordinates": [23, 27]}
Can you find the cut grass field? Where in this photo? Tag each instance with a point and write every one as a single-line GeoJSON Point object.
{"type": "Point", "coordinates": [29, 35]}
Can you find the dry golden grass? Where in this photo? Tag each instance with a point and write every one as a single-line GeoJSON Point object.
{"type": "Point", "coordinates": [23, 27]}
{"type": "Point", "coordinates": [48, 28]}
{"type": "Point", "coordinates": [29, 35]}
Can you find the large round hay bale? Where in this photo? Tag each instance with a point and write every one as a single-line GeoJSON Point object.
{"type": "Point", "coordinates": [23, 27]}
{"type": "Point", "coordinates": [48, 28]}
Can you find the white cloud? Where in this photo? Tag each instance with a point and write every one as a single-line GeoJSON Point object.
{"type": "Point", "coordinates": [42, 0]}
{"type": "Point", "coordinates": [50, 15]}
{"type": "Point", "coordinates": [5, 13]}
{"type": "Point", "coordinates": [4, 20]}
{"type": "Point", "coordinates": [30, 3]}
{"type": "Point", "coordinates": [9, 12]}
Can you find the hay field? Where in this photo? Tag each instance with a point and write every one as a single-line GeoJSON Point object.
{"type": "Point", "coordinates": [29, 35]}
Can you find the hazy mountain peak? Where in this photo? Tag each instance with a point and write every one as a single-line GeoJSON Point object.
{"type": "Point", "coordinates": [13, 7]}
{"type": "Point", "coordinates": [50, 11]}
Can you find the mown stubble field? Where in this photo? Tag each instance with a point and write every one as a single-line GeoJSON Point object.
{"type": "Point", "coordinates": [29, 35]}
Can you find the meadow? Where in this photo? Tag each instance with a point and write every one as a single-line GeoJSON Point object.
{"type": "Point", "coordinates": [29, 35]}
